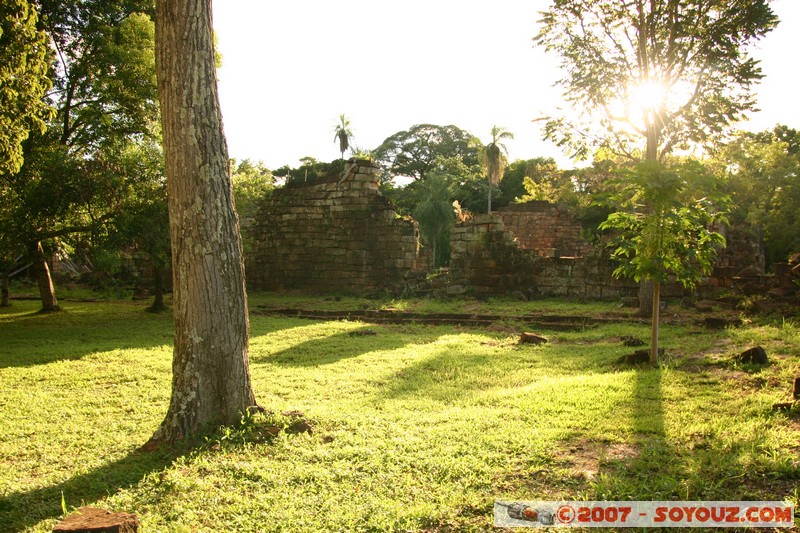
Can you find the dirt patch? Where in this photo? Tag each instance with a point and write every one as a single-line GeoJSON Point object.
{"type": "Point", "coordinates": [585, 458]}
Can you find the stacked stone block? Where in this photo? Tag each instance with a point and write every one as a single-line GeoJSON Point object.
{"type": "Point", "coordinates": [337, 235]}
{"type": "Point", "coordinates": [548, 229]}
{"type": "Point", "coordinates": [488, 258]}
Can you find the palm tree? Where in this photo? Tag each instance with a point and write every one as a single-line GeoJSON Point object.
{"type": "Point", "coordinates": [343, 134]}
{"type": "Point", "coordinates": [435, 212]}
{"type": "Point", "coordinates": [495, 158]}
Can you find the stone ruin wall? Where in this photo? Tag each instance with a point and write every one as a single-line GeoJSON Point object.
{"type": "Point", "coordinates": [341, 235]}
{"type": "Point", "coordinates": [486, 257]}
{"type": "Point", "coordinates": [537, 249]}
{"type": "Point", "coordinates": [548, 229]}
{"type": "Point", "coordinates": [337, 235]}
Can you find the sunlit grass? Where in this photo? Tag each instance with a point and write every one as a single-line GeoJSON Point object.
{"type": "Point", "coordinates": [415, 427]}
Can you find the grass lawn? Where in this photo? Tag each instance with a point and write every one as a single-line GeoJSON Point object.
{"type": "Point", "coordinates": [415, 427]}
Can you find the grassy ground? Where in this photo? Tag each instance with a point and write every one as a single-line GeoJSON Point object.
{"type": "Point", "coordinates": [415, 427]}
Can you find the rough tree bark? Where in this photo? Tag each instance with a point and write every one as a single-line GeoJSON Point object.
{"type": "Point", "coordinates": [4, 292]}
{"type": "Point", "coordinates": [47, 292]}
{"type": "Point", "coordinates": [158, 305]}
{"type": "Point", "coordinates": [211, 377]}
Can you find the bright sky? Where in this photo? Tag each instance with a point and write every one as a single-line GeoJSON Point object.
{"type": "Point", "coordinates": [291, 68]}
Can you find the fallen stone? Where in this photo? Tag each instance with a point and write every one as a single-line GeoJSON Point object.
{"type": "Point", "coordinates": [456, 290]}
{"type": "Point", "coordinates": [638, 357]}
{"type": "Point", "coordinates": [531, 338]}
{"type": "Point", "coordinates": [94, 520]}
{"type": "Point", "coordinates": [300, 426]}
{"type": "Point", "coordinates": [783, 406]}
{"type": "Point", "coordinates": [705, 306]}
{"type": "Point", "coordinates": [750, 272]}
{"type": "Point", "coordinates": [718, 322]}
{"type": "Point", "coordinates": [757, 356]}
{"type": "Point", "coordinates": [796, 391]}
{"type": "Point", "coordinates": [632, 341]}
{"type": "Point", "coordinates": [363, 333]}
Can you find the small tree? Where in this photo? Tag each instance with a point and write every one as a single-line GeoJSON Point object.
{"type": "Point", "coordinates": [661, 230]}
{"type": "Point", "coordinates": [435, 212]}
{"type": "Point", "coordinates": [495, 158]}
{"type": "Point", "coordinates": [343, 134]}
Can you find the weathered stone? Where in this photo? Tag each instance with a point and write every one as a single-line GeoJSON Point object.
{"type": "Point", "coordinates": [94, 520]}
{"type": "Point", "coordinates": [531, 338]}
{"type": "Point", "coordinates": [756, 356]}
{"type": "Point", "coordinates": [632, 341]}
{"type": "Point", "coordinates": [717, 322]}
{"type": "Point", "coordinates": [332, 236]}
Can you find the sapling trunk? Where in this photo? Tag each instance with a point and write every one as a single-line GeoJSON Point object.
{"type": "Point", "coordinates": [654, 331]}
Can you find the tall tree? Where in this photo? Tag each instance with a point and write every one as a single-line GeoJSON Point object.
{"type": "Point", "coordinates": [343, 133]}
{"type": "Point", "coordinates": [104, 95]}
{"type": "Point", "coordinates": [435, 213]}
{"type": "Point", "coordinates": [24, 60]}
{"type": "Point", "coordinates": [761, 173]}
{"type": "Point", "coordinates": [496, 159]}
{"type": "Point", "coordinates": [655, 75]}
{"type": "Point", "coordinates": [646, 78]}
{"type": "Point", "coordinates": [422, 148]}
{"type": "Point", "coordinates": [211, 376]}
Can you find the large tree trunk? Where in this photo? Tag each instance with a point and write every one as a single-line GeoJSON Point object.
{"type": "Point", "coordinates": [211, 377]}
{"type": "Point", "coordinates": [4, 292]}
{"type": "Point", "coordinates": [47, 292]}
{"type": "Point", "coordinates": [158, 298]}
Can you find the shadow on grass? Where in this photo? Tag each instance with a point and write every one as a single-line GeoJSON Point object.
{"type": "Point", "coordinates": [332, 348]}
{"type": "Point", "coordinates": [31, 338]}
{"type": "Point", "coordinates": [34, 338]}
{"type": "Point", "coordinates": [24, 509]}
{"type": "Point", "coordinates": [445, 375]}
{"type": "Point", "coordinates": [707, 464]}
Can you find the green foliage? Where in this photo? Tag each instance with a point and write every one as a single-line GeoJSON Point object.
{"type": "Point", "coordinates": [761, 173]}
{"type": "Point", "coordinates": [343, 133]}
{"type": "Point", "coordinates": [422, 148]}
{"type": "Point", "coordinates": [663, 229]}
{"type": "Point", "coordinates": [647, 78]}
{"type": "Point", "coordinates": [77, 176]}
{"type": "Point", "coordinates": [435, 215]}
{"type": "Point", "coordinates": [24, 60]}
{"type": "Point", "coordinates": [310, 171]}
{"type": "Point", "coordinates": [495, 154]}
{"type": "Point", "coordinates": [252, 183]}
{"type": "Point", "coordinates": [512, 185]}
{"type": "Point", "coordinates": [544, 181]}
{"type": "Point", "coordinates": [494, 157]}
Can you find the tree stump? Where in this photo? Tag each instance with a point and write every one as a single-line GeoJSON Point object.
{"type": "Point", "coordinates": [757, 356]}
{"type": "Point", "coordinates": [94, 520]}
